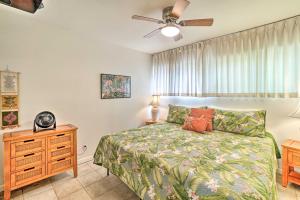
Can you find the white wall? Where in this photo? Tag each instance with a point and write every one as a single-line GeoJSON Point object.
{"type": "Point", "coordinates": [60, 72]}
{"type": "Point", "coordinates": [278, 121]}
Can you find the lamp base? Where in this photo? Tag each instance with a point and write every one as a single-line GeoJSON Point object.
{"type": "Point", "coordinates": [155, 112]}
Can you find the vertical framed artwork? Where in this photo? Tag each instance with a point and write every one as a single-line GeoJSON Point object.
{"type": "Point", "coordinates": [115, 86]}
{"type": "Point", "coordinates": [9, 101]}
{"type": "Point", "coordinates": [10, 119]}
{"type": "Point", "coordinates": [9, 82]}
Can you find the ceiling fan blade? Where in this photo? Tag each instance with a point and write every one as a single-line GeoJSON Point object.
{"type": "Point", "coordinates": [179, 7]}
{"type": "Point", "coordinates": [153, 33]}
{"type": "Point", "coordinates": [178, 37]}
{"type": "Point", "coordinates": [148, 19]}
{"type": "Point", "coordinates": [197, 22]}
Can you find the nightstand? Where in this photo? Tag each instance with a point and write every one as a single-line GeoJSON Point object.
{"type": "Point", "coordinates": [290, 159]}
{"type": "Point", "coordinates": [149, 122]}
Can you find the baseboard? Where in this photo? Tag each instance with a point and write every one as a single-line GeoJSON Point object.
{"type": "Point", "coordinates": [84, 159]}
{"type": "Point", "coordinates": [81, 160]}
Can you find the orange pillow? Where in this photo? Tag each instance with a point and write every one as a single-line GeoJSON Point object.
{"type": "Point", "coordinates": [198, 124]}
{"type": "Point", "coordinates": [207, 113]}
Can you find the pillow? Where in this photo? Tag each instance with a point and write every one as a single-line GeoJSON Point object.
{"type": "Point", "coordinates": [249, 123]}
{"type": "Point", "coordinates": [177, 114]}
{"type": "Point", "coordinates": [207, 113]}
{"type": "Point", "coordinates": [197, 124]}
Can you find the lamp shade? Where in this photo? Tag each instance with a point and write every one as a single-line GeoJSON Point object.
{"type": "Point", "coordinates": [296, 113]}
{"type": "Point", "coordinates": [155, 100]}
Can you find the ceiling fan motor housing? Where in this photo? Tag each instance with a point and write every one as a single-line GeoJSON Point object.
{"type": "Point", "coordinates": [167, 16]}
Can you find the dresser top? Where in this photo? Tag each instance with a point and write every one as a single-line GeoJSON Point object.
{"type": "Point", "coordinates": [292, 144]}
{"type": "Point", "coordinates": [15, 135]}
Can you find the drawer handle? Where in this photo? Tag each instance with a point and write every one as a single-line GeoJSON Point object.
{"type": "Point", "coordinates": [60, 135]}
{"type": "Point", "coordinates": [26, 141]}
{"type": "Point", "coordinates": [29, 169]}
{"type": "Point", "coordinates": [31, 154]}
{"type": "Point", "coordinates": [61, 147]}
{"type": "Point", "coordinates": [61, 159]}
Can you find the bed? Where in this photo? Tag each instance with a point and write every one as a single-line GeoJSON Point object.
{"type": "Point", "coordinates": [162, 161]}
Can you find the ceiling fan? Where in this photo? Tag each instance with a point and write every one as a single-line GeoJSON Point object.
{"type": "Point", "coordinates": [170, 17]}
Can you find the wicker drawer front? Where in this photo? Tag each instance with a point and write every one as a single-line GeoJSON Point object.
{"type": "Point", "coordinates": [27, 146]}
{"type": "Point", "coordinates": [27, 161]}
{"type": "Point", "coordinates": [60, 152]}
{"type": "Point", "coordinates": [60, 165]}
{"type": "Point", "coordinates": [293, 158]}
{"type": "Point", "coordinates": [60, 140]}
{"type": "Point", "coordinates": [27, 175]}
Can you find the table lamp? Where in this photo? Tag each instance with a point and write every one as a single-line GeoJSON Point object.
{"type": "Point", "coordinates": [155, 108]}
{"type": "Point", "coordinates": [296, 113]}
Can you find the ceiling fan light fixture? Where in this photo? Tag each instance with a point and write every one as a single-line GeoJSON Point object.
{"type": "Point", "coordinates": [170, 31]}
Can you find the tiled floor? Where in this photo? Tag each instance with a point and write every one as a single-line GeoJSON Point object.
{"type": "Point", "coordinates": [93, 184]}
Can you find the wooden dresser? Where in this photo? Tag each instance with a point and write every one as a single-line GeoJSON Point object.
{"type": "Point", "coordinates": [290, 160]}
{"type": "Point", "coordinates": [30, 157]}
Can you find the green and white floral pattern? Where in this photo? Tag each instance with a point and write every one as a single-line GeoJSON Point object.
{"type": "Point", "coordinates": [177, 114]}
{"type": "Point", "coordinates": [249, 123]}
{"type": "Point", "coordinates": [162, 161]}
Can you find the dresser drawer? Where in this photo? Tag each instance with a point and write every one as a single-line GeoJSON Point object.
{"type": "Point", "coordinates": [27, 161]}
{"type": "Point", "coordinates": [27, 146]}
{"type": "Point", "coordinates": [294, 158]}
{"type": "Point", "coordinates": [60, 165]}
{"type": "Point", "coordinates": [60, 152]}
{"type": "Point", "coordinates": [27, 175]}
{"type": "Point", "coordinates": [60, 140]}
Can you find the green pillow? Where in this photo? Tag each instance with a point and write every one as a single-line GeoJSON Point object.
{"type": "Point", "coordinates": [249, 123]}
{"type": "Point", "coordinates": [177, 114]}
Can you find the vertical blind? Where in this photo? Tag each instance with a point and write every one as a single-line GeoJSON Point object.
{"type": "Point", "coordinates": [261, 62]}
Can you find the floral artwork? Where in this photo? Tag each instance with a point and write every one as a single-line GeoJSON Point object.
{"type": "Point", "coordinates": [9, 82]}
{"type": "Point", "coordinates": [115, 86]}
{"type": "Point", "coordinates": [10, 118]}
{"type": "Point", "coordinates": [28, 5]}
{"type": "Point", "coordinates": [163, 161]}
{"type": "Point", "coordinates": [9, 102]}
{"type": "Point", "coordinates": [9, 90]}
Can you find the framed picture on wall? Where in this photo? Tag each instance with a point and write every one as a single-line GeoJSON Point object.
{"type": "Point", "coordinates": [9, 82]}
{"type": "Point", "coordinates": [9, 102]}
{"type": "Point", "coordinates": [10, 119]}
{"type": "Point", "coordinates": [115, 86]}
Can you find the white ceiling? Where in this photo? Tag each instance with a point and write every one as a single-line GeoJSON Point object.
{"type": "Point", "coordinates": [110, 20]}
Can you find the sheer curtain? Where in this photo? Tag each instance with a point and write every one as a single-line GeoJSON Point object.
{"type": "Point", "coordinates": [261, 62]}
{"type": "Point", "coordinates": [178, 72]}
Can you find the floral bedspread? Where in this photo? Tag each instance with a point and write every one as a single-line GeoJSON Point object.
{"type": "Point", "coordinates": [162, 161]}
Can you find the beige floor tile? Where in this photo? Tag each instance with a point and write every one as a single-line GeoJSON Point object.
{"type": "Point", "coordinates": [62, 177]}
{"type": "Point", "coordinates": [84, 169]}
{"type": "Point", "coordinates": [17, 194]}
{"type": "Point", "coordinates": [111, 195]}
{"type": "Point", "coordinates": [79, 195]}
{"type": "Point", "coordinates": [36, 188]}
{"type": "Point", "coordinates": [67, 187]}
{"type": "Point", "coordinates": [100, 187]}
{"type": "Point", "coordinates": [89, 178]}
{"type": "Point", "coordinates": [46, 195]}
{"type": "Point", "coordinates": [102, 171]}
{"type": "Point", "coordinates": [286, 193]}
{"type": "Point", "coordinates": [125, 192]}
{"type": "Point", "coordinates": [296, 188]}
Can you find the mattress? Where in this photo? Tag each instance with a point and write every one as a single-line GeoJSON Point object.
{"type": "Point", "coordinates": [162, 161]}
